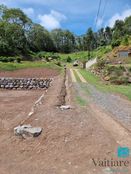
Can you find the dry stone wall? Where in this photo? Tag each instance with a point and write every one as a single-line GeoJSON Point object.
{"type": "Point", "coordinates": [24, 83]}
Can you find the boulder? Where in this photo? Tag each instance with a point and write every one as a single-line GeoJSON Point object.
{"type": "Point", "coordinates": [65, 107]}
{"type": "Point", "coordinates": [27, 131]}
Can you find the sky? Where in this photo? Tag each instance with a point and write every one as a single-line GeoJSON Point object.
{"type": "Point", "coordinates": [75, 15]}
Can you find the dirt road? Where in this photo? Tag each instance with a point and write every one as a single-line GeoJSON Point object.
{"type": "Point", "coordinates": [71, 139]}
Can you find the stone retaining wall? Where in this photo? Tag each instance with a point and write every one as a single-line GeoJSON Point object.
{"type": "Point", "coordinates": [24, 83]}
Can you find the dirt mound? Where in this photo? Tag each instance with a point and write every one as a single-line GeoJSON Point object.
{"type": "Point", "coordinates": [31, 73]}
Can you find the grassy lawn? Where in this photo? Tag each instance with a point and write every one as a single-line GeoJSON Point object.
{"type": "Point", "coordinates": [92, 79]}
{"type": "Point", "coordinates": [83, 55]}
{"type": "Point", "coordinates": [26, 64]}
{"type": "Point", "coordinates": [74, 56]}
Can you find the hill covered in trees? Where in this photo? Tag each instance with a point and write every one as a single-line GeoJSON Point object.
{"type": "Point", "coordinates": [20, 36]}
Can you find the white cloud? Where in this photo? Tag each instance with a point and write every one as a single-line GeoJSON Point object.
{"type": "Point", "coordinates": [29, 11]}
{"type": "Point", "coordinates": [117, 16]}
{"type": "Point", "coordinates": [52, 20]}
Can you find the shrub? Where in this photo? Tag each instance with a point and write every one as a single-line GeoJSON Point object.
{"type": "Point", "coordinates": [119, 80]}
{"type": "Point", "coordinates": [10, 59]}
{"type": "Point", "coordinates": [19, 60]}
{"type": "Point", "coordinates": [129, 69]}
{"type": "Point", "coordinates": [69, 60]}
{"type": "Point", "coordinates": [125, 41]}
{"type": "Point", "coordinates": [115, 70]}
{"type": "Point", "coordinates": [55, 56]}
{"type": "Point", "coordinates": [101, 63]}
{"type": "Point", "coordinates": [115, 43]}
{"type": "Point", "coordinates": [58, 63]}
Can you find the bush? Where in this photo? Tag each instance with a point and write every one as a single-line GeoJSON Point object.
{"type": "Point", "coordinates": [129, 69]}
{"type": "Point", "coordinates": [47, 56]}
{"type": "Point", "coordinates": [115, 70]}
{"type": "Point", "coordinates": [10, 59]}
{"type": "Point", "coordinates": [55, 56]}
{"type": "Point", "coordinates": [125, 41]}
{"type": "Point", "coordinates": [69, 60]}
{"type": "Point", "coordinates": [119, 80]}
{"type": "Point", "coordinates": [19, 60]}
{"type": "Point", "coordinates": [58, 63]}
{"type": "Point", "coordinates": [115, 43]}
{"type": "Point", "coordinates": [101, 63]}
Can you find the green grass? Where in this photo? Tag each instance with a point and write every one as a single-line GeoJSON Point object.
{"type": "Point", "coordinates": [125, 65]}
{"type": "Point", "coordinates": [83, 55]}
{"type": "Point", "coordinates": [80, 101]}
{"type": "Point", "coordinates": [83, 87]}
{"type": "Point", "coordinates": [92, 79]}
{"type": "Point", "coordinates": [27, 64]}
{"type": "Point", "coordinates": [76, 76]}
{"type": "Point", "coordinates": [101, 51]}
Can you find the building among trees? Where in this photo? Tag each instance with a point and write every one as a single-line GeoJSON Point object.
{"type": "Point", "coordinates": [124, 52]}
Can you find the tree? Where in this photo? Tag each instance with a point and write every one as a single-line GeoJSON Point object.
{"type": "Point", "coordinates": [125, 41]}
{"type": "Point", "coordinates": [16, 16]}
{"type": "Point", "coordinates": [115, 43]}
{"type": "Point", "coordinates": [79, 43]}
{"type": "Point", "coordinates": [128, 25]}
{"type": "Point", "coordinates": [3, 8]}
{"type": "Point", "coordinates": [108, 35]}
{"type": "Point", "coordinates": [118, 30]}
{"type": "Point", "coordinates": [89, 41]}
{"type": "Point", "coordinates": [19, 35]}
{"type": "Point", "coordinates": [13, 26]}
{"type": "Point", "coordinates": [64, 40]}
{"type": "Point", "coordinates": [12, 39]}
{"type": "Point", "coordinates": [39, 39]}
{"type": "Point", "coordinates": [69, 41]}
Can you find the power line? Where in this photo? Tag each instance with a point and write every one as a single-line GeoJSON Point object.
{"type": "Point", "coordinates": [103, 13]}
{"type": "Point", "coordinates": [99, 7]}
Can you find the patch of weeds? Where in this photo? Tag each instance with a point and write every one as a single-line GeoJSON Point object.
{"type": "Point", "coordinates": [80, 101]}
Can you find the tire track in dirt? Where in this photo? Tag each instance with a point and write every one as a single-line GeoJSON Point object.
{"type": "Point", "coordinates": [73, 76]}
{"type": "Point", "coordinates": [80, 76]}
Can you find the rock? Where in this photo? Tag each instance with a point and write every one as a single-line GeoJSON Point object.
{"type": "Point", "coordinates": [20, 129]}
{"type": "Point", "coordinates": [65, 107]}
{"type": "Point", "coordinates": [129, 80]}
{"type": "Point", "coordinates": [27, 131]}
{"type": "Point", "coordinates": [24, 83]}
{"type": "Point", "coordinates": [107, 78]}
{"type": "Point", "coordinates": [119, 62]}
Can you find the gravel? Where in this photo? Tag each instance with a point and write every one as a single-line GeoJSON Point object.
{"type": "Point", "coordinates": [119, 108]}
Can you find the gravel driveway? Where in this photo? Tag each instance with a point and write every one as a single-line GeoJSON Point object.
{"type": "Point", "coordinates": [119, 108]}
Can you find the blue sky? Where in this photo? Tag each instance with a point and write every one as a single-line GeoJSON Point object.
{"type": "Point", "coordinates": [75, 15]}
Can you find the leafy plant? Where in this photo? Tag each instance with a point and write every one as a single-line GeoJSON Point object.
{"type": "Point", "coordinates": [69, 60]}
